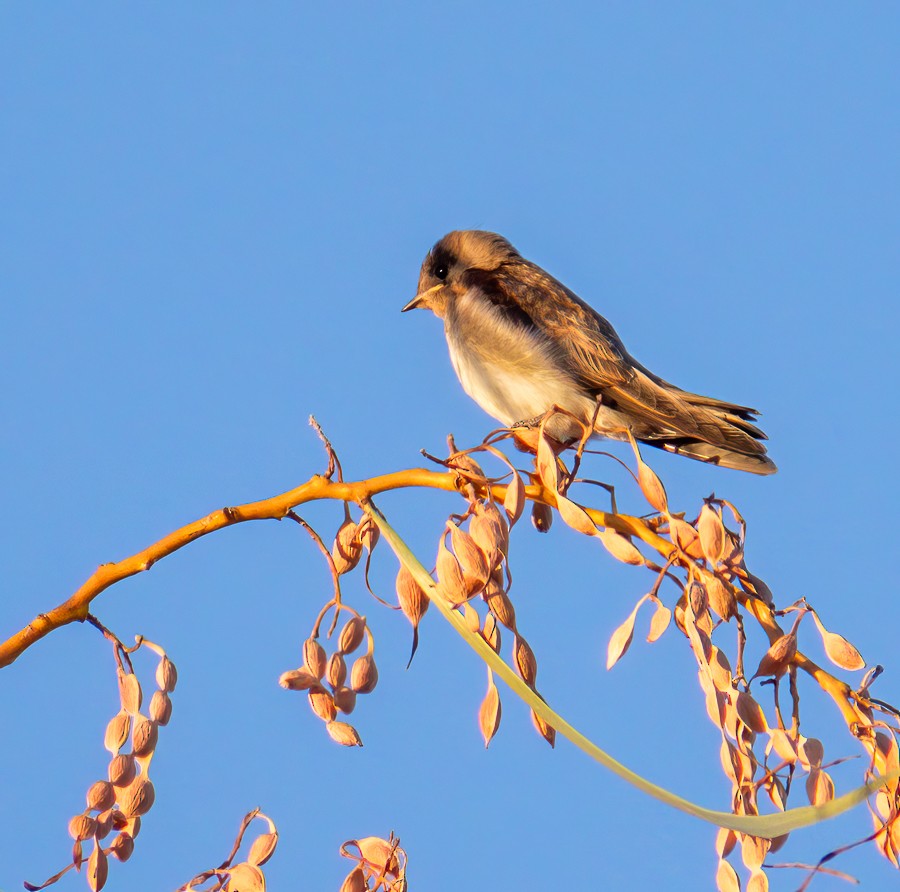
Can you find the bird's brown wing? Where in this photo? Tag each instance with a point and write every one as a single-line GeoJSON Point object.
{"type": "Point", "coordinates": [592, 350]}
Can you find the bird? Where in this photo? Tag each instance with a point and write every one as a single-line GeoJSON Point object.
{"type": "Point", "coordinates": [522, 343]}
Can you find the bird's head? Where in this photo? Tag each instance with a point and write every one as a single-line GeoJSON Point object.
{"type": "Point", "coordinates": [444, 270]}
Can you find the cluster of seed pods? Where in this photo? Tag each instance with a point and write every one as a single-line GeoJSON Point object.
{"type": "Point", "coordinates": [332, 688]}
{"type": "Point", "coordinates": [116, 805]}
{"type": "Point", "coordinates": [380, 865]}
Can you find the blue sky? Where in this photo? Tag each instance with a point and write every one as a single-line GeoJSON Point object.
{"type": "Point", "coordinates": [212, 216]}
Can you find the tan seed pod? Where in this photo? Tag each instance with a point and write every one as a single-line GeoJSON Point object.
{"type": "Point", "coordinates": [811, 753]}
{"type": "Point", "coordinates": [526, 662]}
{"type": "Point", "coordinates": [122, 847]}
{"type": "Point", "coordinates": [501, 606]}
{"type": "Point", "coordinates": [82, 827]}
{"type": "Point", "coordinates": [548, 732]}
{"type": "Point", "coordinates": [129, 692]}
{"type": "Point", "coordinates": [355, 881]}
{"type": "Point", "coordinates": [314, 658]}
{"type": "Point", "coordinates": [621, 639]}
{"type": "Point", "coordinates": [466, 464]}
{"type": "Point", "coordinates": [491, 632]}
{"type": "Point", "coordinates": [514, 498]}
{"type": "Point", "coordinates": [245, 877]}
{"type": "Point", "coordinates": [263, 848]}
{"type": "Point", "coordinates": [757, 587]}
{"type": "Point", "coordinates": [364, 674]}
{"type": "Point", "coordinates": [381, 855]}
{"type": "Point", "coordinates": [347, 549]}
{"type": "Point", "coordinates": [78, 854]}
{"type": "Point", "coordinates": [122, 769]}
{"type": "Point", "coordinates": [298, 680]}
{"type": "Point", "coordinates": [344, 734]}
{"type": "Point", "coordinates": [471, 558]}
{"type": "Point", "coordinates": [652, 488]}
{"type": "Point", "coordinates": [451, 583]}
{"type": "Point", "coordinates": [144, 736]}
{"type": "Point", "coordinates": [490, 711]}
{"type": "Point", "coordinates": [621, 548]}
{"type": "Point", "coordinates": [106, 821]}
{"type": "Point", "coordinates": [662, 616]}
{"type": "Point", "coordinates": [322, 704]}
{"type": "Point", "coordinates": [336, 670]}
{"type": "Point", "coordinates": [697, 598]}
{"type": "Point", "coordinates": [685, 537]}
{"type": "Point", "coordinates": [97, 869]}
{"type": "Point", "coordinates": [345, 700]}
{"type": "Point", "coordinates": [575, 516]}
{"type": "Point", "coordinates": [541, 517]}
{"type": "Point", "coordinates": [137, 798]}
{"type": "Point", "coordinates": [367, 533]}
{"type": "Point", "coordinates": [352, 634]}
{"type": "Point", "coordinates": [712, 534]}
{"type": "Point", "coordinates": [101, 796]}
{"type": "Point", "coordinates": [750, 713]}
{"type": "Point", "coordinates": [166, 675]}
{"type": "Point", "coordinates": [727, 878]}
{"type": "Point", "coordinates": [489, 532]}
{"type": "Point", "coordinates": [132, 826]}
{"type": "Point", "coordinates": [160, 708]}
{"type": "Point", "coordinates": [778, 657]}
{"type": "Point", "coordinates": [819, 787]}
{"type": "Point", "coordinates": [413, 601]}
{"type": "Point", "coordinates": [472, 618]}
{"type": "Point", "coordinates": [117, 732]}
{"type": "Point", "coordinates": [721, 598]}
{"type": "Point", "coordinates": [839, 650]}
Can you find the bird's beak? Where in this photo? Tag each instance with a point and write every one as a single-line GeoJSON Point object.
{"type": "Point", "coordinates": [421, 299]}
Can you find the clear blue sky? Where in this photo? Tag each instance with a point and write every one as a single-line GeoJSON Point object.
{"type": "Point", "coordinates": [212, 214]}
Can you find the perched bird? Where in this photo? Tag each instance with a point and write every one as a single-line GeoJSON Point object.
{"type": "Point", "coordinates": [521, 342]}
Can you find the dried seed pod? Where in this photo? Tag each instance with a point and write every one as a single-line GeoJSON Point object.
{"type": "Point", "coordinates": [652, 488]}
{"type": "Point", "coordinates": [101, 796]}
{"type": "Point", "coordinates": [263, 848]}
{"type": "Point", "coordinates": [106, 821]}
{"type": "Point", "coordinates": [465, 463]}
{"type": "Point", "coordinates": [117, 732]}
{"type": "Point", "coordinates": [490, 711]}
{"type": "Point", "coordinates": [137, 798]}
{"type": "Point", "coordinates": [97, 869]}
{"type": "Point", "coordinates": [514, 498]}
{"type": "Point", "coordinates": [838, 649]}
{"type": "Point", "coordinates": [685, 537]}
{"type": "Point", "coordinates": [541, 517]}
{"type": "Point", "coordinates": [364, 674]}
{"type": "Point", "coordinates": [160, 708]}
{"type": "Point", "coordinates": [355, 881]}
{"type": "Point", "coordinates": [166, 675]}
{"type": "Point", "coordinates": [712, 534]}
{"type": "Point", "coordinates": [314, 658]}
{"type": "Point", "coordinates": [381, 855]}
{"type": "Point", "coordinates": [122, 769]}
{"type": "Point", "coordinates": [721, 598]}
{"type": "Point", "coordinates": [750, 713]}
{"type": "Point", "coordinates": [471, 558]}
{"type": "Point", "coordinates": [336, 670]}
{"type": "Point", "coordinates": [129, 692]}
{"type": "Point", "coordinates": [322, 704]}
{"type": "Point", "coordinates": [621, 639]}
{"type": "Point", "coordinates": [298, 680]}
{"type": "Point", "coordinates": [526, 662]}
{"type": "Point", "coordinates": [500, 605]}
{"type": "Point", "coordinates": [472, 619]}
{"type": "Point", "coordinates": [345, 700]}
{"type": "Point", "coordinates": [144, 736]}
{"type": "Point", "coordinates": [413, 601]}
{"type": "Point", "coordinates": [547, 731]}
{"type": "Point", "coordinates": [367, 533]}
{"type": "Point", "coordinates": [122, 847]}
{"type": "Point", "coordinates": [620, 547]}
{"type": "Point", "coordinates": [778, 657]}
{"type": "Point", "coordinates": [451, 583]}
{"type": "Point", "coordinates": [245, 877]}
{"type": "Point", "coordinates": [347, 549]}
{"type": "Point", "coordinates": [489, 532]}
{"type": "Point", "coordinates": [352, 634]}
{"type": "Point", "coordinates": [343, 734]}
{"type": "Point", "coordinates": [82, 827]}
{"type": "Point", "coordinates": [491, 633]}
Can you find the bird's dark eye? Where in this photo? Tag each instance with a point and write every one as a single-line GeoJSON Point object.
{"type": "Point", "coordinates": [441, 271]}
